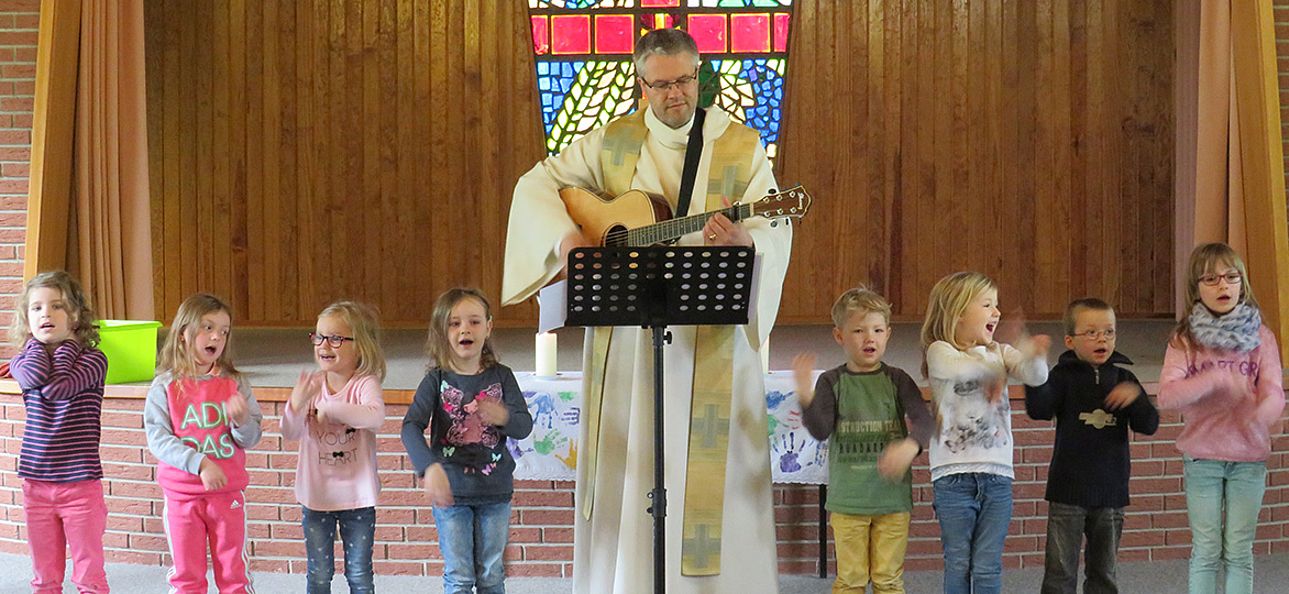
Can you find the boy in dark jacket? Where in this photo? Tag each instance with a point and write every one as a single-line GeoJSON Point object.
{"type": "Point", "coordinates": [1094, 403]}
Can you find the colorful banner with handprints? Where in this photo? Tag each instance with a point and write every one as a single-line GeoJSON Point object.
{"type": "Point", "coordinates": [550, 452]}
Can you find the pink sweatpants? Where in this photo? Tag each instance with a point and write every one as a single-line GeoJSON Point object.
{"type": "Point", "coordinates": [192, 521]}
{"type": "Point", "coordinates": [60, 515]}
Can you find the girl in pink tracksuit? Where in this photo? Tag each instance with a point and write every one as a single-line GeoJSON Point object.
{"type": "Point", "coordinates": [199, 417]}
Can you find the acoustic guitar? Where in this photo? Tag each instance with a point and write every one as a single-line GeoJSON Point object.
{"type": "Point", "coordinates": [636, 218]}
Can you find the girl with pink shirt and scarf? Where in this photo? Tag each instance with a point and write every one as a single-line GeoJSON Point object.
{"type": "Point", "coordinates": [1222, 371]}
{"type": "Point", "coordinates": [334, 413]}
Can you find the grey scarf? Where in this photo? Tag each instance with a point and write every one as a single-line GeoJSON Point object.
{"type": "Point", "coordinates": [1236, 331]}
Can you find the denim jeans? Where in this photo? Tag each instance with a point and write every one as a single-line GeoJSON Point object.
{"type": "Point", "coordinates": [974, 510]}
{"type": "Point", "coordinates": [1066, 526]}
{"type": "Point", "coordinates": [357, 530]}
{"type": "Point", "coordinates": [1213, 489]}
{"type": "Point", "coordinates": [472, 539]}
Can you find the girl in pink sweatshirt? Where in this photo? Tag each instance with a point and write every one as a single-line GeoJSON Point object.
{"type": "Point", "coordinates": [1222, 371]}
{"type": "Point", "coordinates": [200, 417]}
{"type": "Point", "coordinates": [335, 413]}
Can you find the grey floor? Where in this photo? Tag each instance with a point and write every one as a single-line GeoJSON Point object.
{"type": "Point", "coordinates": [1271, 574]}
{"type": "Point", "coordinates": [274, 357]}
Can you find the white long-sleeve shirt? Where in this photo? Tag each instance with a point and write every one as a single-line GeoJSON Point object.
{"type": "Point", "coordinates": [972, 433]}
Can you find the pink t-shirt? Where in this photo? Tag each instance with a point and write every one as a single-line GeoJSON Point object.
{"type": "Point", "coordinates": [1222, 422]}
{"type": "Point", "coordinates": [337, 466]}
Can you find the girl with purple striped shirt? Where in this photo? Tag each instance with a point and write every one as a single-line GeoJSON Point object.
{"type": "Point", "coordinates": [61, 373]}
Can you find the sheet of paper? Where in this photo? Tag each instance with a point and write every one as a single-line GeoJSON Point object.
{"type": "Point", "coordinates": [552, 306]}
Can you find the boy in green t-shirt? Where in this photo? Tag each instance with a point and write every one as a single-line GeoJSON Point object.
{"type": "Point", "coordinates": [877, 424]}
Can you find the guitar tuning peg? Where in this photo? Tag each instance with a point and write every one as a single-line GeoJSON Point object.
{"type": "Point", "coordinates": [773, 191]}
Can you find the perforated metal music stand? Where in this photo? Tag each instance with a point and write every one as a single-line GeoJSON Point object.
{"type": "Point", "coordinates": [654, 287]}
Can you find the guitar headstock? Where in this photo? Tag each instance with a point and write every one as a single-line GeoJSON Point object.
{"type": "Point", "coordinates": [790, 203]}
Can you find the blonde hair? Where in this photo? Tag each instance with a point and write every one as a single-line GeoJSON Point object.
{"type": "Point", "coordinates": [364, 323]}
{"type": "Point", "coordinates": [1204, 260]}
{"type": "Point", "coordinates": [437, 344]}
{"type": "Point", "coordinates": [860, 298]}
{"type": "Point", "coordinates": [81, 315]}
{"type": "Point", "coordinates": [1079, 306]}
{"type": "Point", "coordinates": [949, 300]}
{"type": "Point", "coordinates": [176, 354]}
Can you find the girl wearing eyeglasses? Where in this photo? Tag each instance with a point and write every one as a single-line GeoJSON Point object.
{"type": "Point", "coordinates": [1222, 371]}
{"type": "Point", "coordinates": [334, 412]}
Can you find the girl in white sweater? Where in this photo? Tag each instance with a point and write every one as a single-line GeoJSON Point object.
{"type": "Point", "coordinates": [971, 451]}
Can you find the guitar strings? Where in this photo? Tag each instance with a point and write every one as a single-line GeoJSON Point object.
{"type": "Point", "coordinates": [621, 237]}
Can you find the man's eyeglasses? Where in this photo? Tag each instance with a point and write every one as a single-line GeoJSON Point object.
{"type": "Point", "coordinates": [334, 341]}
{"type": "Point", "coordinates": [667, 85]}
{"type": "Point", "coordinates": [1096, 334]}
{"type": "Point", "coordinates": [1232, 278]}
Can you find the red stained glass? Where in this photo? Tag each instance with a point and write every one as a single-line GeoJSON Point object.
{"type": "Point", "coordinates": [571, 34]}
{"type": "Point", "coordinates": [781, 31]}
{"type": "Point", "coordinates": [613, 33]}
{"type": "Point", "coordinates": [657, 21]}
{"type": "Point", "coordinates": [750, 33]}
{"type": "Point", "coordinates": [541, 36]}
{"type": "Point", "coordinates": [658, 3]}
{"type": "Point", "coordinates": [708, 30]}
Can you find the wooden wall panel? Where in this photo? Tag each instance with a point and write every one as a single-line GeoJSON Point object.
{"type": "Point", "coordinates": [308, 151]}
{"type": "Point", "coordinates": [1029, 140]}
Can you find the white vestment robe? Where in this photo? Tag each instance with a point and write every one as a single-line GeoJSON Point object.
{"type": "Point", "coordinates": [613, 549]}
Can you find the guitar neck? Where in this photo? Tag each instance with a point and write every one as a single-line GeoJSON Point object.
{"type": "Point", "coordinates": [672, 229]}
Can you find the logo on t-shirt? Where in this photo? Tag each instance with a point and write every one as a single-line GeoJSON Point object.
{"type": "Point", "coordinates": [203, 417]}
{"type": "Point", "coordinates": [1098, 418]}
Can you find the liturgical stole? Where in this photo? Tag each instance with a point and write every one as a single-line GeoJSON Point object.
{"type": "Point", "coordinates": [729, 174]}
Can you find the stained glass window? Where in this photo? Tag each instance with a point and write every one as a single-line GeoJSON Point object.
{"type": "Point", "coordinates": [584, 72]}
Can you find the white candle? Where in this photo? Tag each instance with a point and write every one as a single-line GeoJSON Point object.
{"type": "Point", "coordinates": [765, 355]}
{"type": "Point", "coordinates": [546, 354]}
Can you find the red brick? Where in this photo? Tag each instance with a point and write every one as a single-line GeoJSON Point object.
{"type": "Point", "coordinates": [408, 568]}
{"type": "Point", "coordinates": [134, 557]}
{"type": "Point", "coordinates": [269, 565]}
{"type": "Point", "coordinates": [412, 552]}
{"type": "Point", "coordinates": [26, 21]}
{"type": "Point", "coordinates": [24, 104]}
{"type": "Point", "coordinates": [149, 490]}
{"type": "Point", "coordinates": [534, 570]}
{"type": "Point", "coordinates": [27, 38]}
{"type": "Point", "coordinates": [548, 552]}
{"type": "Point", "coordinates": [136, 472]}
{"type": "Point", "coordinates": [140, 542]}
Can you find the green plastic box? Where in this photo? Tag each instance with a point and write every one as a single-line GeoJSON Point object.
{"type": "Point", "coordinates": [131, 349]}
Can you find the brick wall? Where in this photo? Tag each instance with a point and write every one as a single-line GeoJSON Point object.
{"type": "Point", "coordinates": [19, 20]}
{"type": "Point", "coordinates": [541, 531]}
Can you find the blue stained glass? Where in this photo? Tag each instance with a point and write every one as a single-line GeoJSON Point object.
{"type": "Point", "coordinates": [553, 82]}
{"type": "Point", "coordinates": [767, 87]}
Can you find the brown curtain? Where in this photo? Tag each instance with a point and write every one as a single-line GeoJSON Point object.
{"type": "Point", "coordinates": [109, 239]}
{"type": "Point", "coordinates": [1210, 199]}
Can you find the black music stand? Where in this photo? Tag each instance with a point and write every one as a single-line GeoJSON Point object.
{"type": "Point", "coordinates": [654, 287]}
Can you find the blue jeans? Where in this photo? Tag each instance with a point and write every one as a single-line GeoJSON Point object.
{"type": "Point", "coordinates": [1215, 488]}
{"type": "Point", "coordinates": [357, 530]}
{"type": "Point", "coordinates": [1066, 525]}
{"type": "Point", "coordinates": [974, 510]}
{"type": "Point", "coordinates": [472, 539]}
